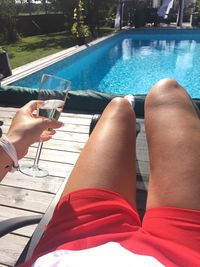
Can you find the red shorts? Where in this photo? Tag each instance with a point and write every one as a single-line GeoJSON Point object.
{"type": "Point", "coordinates": [92, 217]}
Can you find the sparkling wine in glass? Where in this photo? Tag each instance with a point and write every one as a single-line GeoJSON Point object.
{"type": "Point", "coordinates": [53, 92]}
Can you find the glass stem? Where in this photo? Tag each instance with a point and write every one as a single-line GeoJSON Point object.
{"type": "Point", "coordinates": [38, 153]}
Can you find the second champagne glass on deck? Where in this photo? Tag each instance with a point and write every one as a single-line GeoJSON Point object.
{"type": "Point", "coordinates": [53, 91]}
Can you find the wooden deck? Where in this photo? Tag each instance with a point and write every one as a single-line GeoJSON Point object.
{"type": "Point", "coordinates": [23, 195]}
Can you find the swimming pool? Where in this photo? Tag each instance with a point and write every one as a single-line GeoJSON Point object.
{"type": "Point", "coordinates": [131, 62]}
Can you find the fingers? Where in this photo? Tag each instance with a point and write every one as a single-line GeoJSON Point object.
{"type": "Point", "coordinates": [38, 125]}
{"type": "Point", "coordinates": [47, 123]}
{"type": "Point", "coordinates": [47, 128]}
{"type": "Point", "coordinates": [47, 135]}
{"type": "Point", "coordinates": [52, 132]}
{"type": "Point", "coordinates": [45, 138]}
{"type": "Point", "coordinates": [32, 105]}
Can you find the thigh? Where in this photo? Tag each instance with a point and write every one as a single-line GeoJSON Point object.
{"type": "Point", "coordinates": [108, 158]}
{"type": "Point", "coordinates": [177, 230]}
{"type": "Point", "coordinates": [173, 136]}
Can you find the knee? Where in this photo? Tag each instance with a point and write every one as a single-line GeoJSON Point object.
{"type": "Point", "coordinates": [163, 92]}
{"type": "Point", "coordinates": [120, 103]}
{"type": "Point", "coordinates": [166, 83]}
{"type": "Point", "coordinates": [121, 107]}
{"type": "Point", "coordinates": [163, 87]}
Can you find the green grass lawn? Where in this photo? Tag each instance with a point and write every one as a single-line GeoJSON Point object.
{"type": "Point", "coordinates": [35, 47]}
{"type": "Point", "coordinates": [32, 48]}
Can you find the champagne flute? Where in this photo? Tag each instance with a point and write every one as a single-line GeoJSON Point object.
{"type": "Point", "coordinates": [53, 92]}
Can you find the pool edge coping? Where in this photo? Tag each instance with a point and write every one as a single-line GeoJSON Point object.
{"type": "Point", "coordinates": [39, 64]}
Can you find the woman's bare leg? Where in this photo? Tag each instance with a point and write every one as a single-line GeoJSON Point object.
{"type": "Point", "coordinates": [173, 135]}
{"type": "Point", "coordinates": [108, 158]}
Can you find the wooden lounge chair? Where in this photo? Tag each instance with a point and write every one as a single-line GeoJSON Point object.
{"type": "Point", "coordinates": [10, 225]}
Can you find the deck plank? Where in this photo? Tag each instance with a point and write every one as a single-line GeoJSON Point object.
{"type": "Point", "coordinates": [54, 155]}
{"type": "Point", "coordinates": [49, 184]}
{"type": "Point", "coordinates": [56, 169]}
{"type": "Point", "coordinates": [25, 199]}
{"type": "Point", "coordinates": [10, 250]}
{"type": "Point", "coordinates": [9, 212]}
{"type": "Point", "coordinates": [68, 127]}
{"type": "Point", "coordinates": [23, 195]}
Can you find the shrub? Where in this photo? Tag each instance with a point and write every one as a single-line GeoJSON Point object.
{"type": "Point", "coordinates": [79, 27]}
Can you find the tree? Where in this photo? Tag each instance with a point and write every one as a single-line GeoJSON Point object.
{"type": "Point", "coordinates": [30, 2]}
{"type": "Point", "coordinates": [92, 11]}
{"type": "Point", "coordinates": [44, 3]}
{"type": "Point", "coordinates": [7, 11]}
{"type": "Point", "coordinates": [67, 8]}
{"type": "Point", "coordinates": [54, 6]}
{"type": "Point", "coordinates": [96, 12]}
{"type": "Point", "coordinates": [100, 12]}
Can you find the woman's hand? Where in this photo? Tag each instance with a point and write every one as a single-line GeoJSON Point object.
{"type": "Point", "coordinates": [27, 129]}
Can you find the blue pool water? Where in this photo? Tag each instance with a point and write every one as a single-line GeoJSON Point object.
{"type": "Point", "coordinates": [131, 63]}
